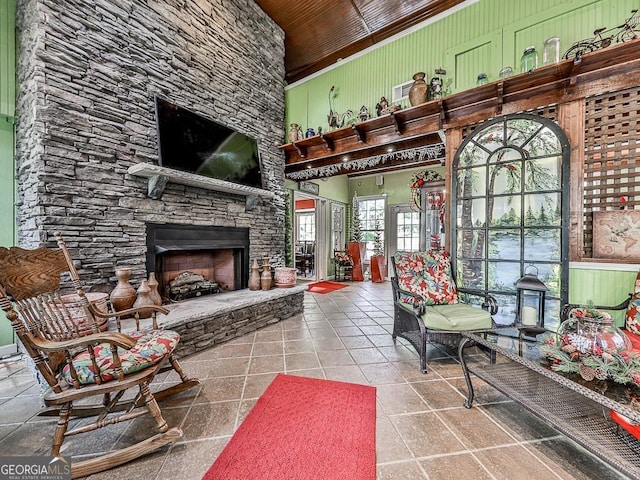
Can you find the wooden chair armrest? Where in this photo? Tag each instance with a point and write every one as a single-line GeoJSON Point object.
{"type": "Point", "coordinates": [119, 339]}
{"type": "Point", "coordinates": [489, 302]}
{"type": "Point", "coordinates": [129, 312]}
{"type": "Point", "coordinates": [567, 307]}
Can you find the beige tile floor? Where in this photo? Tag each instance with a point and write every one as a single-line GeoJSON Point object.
{"type": "Point", "coordinates": [423, 430]}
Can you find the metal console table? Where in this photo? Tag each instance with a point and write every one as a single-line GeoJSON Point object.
{"type": "Point", "coordinates": [516, 369]}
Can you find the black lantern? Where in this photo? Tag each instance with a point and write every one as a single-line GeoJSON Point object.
{"type": "Point", "coordinates": [530, 293]}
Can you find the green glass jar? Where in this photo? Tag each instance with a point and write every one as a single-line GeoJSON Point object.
{"type": "Point", "coordinates": [529, 60]}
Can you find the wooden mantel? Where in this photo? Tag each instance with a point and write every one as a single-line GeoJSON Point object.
{"type": "Point", "coordinates": [609, 69]}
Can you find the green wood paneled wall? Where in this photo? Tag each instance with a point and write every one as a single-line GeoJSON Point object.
{"type": "Point", "coordinates": [7, 57]}
{"type": "Point", "coordinates": [601, 287]}
{"type": "Point", "coordinates": [7, 112]}
{"type": "Point", "coordinates": [482, 37]}
{"type": "Point", "coordinates": [7, 185]}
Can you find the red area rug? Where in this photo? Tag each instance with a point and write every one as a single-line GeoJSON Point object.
{"type": "Point", "coordinates": [325, 287]}
{"type": "Point", "coordinates": [304, 428]}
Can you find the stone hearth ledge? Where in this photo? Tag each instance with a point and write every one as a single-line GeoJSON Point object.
{"type": "Point", "coordinates": [203, 322]}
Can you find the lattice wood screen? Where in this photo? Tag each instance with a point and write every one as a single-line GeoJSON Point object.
{"type": "Point", "coordinates": [550, 112]}
{"type": "Point", "coordinates": [612, 148]}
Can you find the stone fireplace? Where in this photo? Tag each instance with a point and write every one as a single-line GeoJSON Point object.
{"type": "Point", "coordinates": [220, 254]}
{"type": "Point", "coordinates": [88, 74]}
{"type": "Point", "coordinates": [86, 115]}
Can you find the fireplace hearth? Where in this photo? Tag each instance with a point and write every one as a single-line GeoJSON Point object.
{"type": "Point", "coordinates": [218, 254]}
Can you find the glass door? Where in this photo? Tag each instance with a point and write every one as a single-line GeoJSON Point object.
{"type": "Point", "coordinates": [405, 229]}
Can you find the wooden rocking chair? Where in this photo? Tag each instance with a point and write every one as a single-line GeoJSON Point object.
{"type": "Point", "coordinates": [79, 361]}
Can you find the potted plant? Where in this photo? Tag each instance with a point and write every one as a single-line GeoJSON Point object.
{"type": "Point", "coordinates": [378, 263]}
{"type": "Point", "coordinates": [356, 246]}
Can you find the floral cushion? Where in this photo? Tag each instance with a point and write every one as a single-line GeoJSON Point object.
{"type": "Point", "coordinates": [427, 274]}
{"type": "Point", "coordinates": [632, 317]}
{"type": "Point", "coordinates": [151, 347]}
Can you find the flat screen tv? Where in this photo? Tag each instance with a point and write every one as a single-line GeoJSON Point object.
{"type": "Point", "coordinates": [193, 143]}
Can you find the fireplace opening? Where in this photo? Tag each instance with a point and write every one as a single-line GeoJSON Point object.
{"type": "Point", "coordinates": [199, 260]}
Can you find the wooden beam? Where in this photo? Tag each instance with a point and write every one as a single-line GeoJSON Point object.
{"type": "Point", "coordinates": [571, 118]}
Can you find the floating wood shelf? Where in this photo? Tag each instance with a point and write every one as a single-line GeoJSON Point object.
{"type": "Point", "coordinates": [609, 69]}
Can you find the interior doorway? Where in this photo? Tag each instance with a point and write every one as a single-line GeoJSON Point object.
{"type": "Point", "coordinates": [307, 234]}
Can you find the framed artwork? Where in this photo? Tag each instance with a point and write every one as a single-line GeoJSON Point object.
{"type": "Point", "coordinates": [616, 234]}
{"type": "Point", "coordinates": [309, 187]}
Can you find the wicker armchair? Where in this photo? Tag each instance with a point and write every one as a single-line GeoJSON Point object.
{"type": "Point", "coordinates": [78, 359]}
{"type": "Point", "coordinates": [427, 306]}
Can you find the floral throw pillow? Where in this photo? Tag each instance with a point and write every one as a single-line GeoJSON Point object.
{"type": "Point", "coordinates": [632, 317]}
{"type": "Point", "coordinates": [427, 274]}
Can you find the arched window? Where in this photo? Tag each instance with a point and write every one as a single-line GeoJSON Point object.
{"type": "Point", "coordinates": [511, 210]}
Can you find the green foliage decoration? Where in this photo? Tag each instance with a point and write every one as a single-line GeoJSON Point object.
{"type": "Point", "coordinates": [356, 228]}
{"type": "Point", "coordinates": [378, 249]}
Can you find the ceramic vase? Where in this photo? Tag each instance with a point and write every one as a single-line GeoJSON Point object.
{"type": "Point", "coordinates": [153, 286]}
{"type": "Point", "coordinates": [254, 276]}
{"type": "Point", "coordinates": [356, 251]}
{"type": "Point", "coordinates": [419, 90]}
{"type": "Point", "coordinates": [265, 278]}
{"type": "Point", "coordinates": [143, 299]}
{"type": "Point", "coordinates": [293, 133]}
{"type": "Point", "coordinates": [285, 277]}
{"type": "Point", "coordinates": [123, 295]}
{"type": "Point", "coordinates": [378, 268]}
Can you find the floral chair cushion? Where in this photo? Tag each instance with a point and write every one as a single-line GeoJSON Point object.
{"type": "Point", "coordinates": [151, 347]}
{"type": "Point", "coordinates": [427, 274]}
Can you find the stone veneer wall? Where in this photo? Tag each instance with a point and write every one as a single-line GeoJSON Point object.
{"type": "Point", "coordinates": [226, 324]}
{"type": "Point", "coordinates": [88, 72]}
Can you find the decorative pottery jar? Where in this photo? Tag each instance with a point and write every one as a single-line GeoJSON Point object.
{"type": "Point", "coordinates": [285, 277]}
{"type": "Point", "coordinates": [77, 312]}
{"type": "Point", "coordinates": [591, 332]}
{"type": "Point", "coordinates": [153, 286]}
{"type": "Point", "coordinates": [293, 133]}
{"type": "Point", "coordinates": [143, 299]}
{"type": "Point", "coordinates": [123, 295]}
{"type": "Point", "coordinates": [265, 279]}
{"type": "Point", "coordinates": [419, 90]}
{"type": "Point", "coordinates": [254, 276]}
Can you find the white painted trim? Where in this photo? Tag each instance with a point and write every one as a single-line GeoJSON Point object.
{"type": "Point", "coordinates": [620, 267]}
{"type": "Point", "coordinates": [384, 42]}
